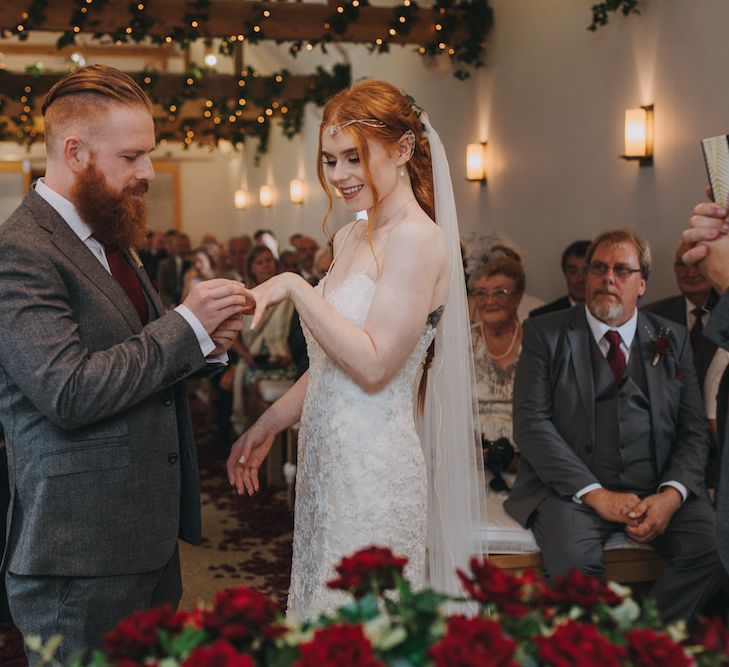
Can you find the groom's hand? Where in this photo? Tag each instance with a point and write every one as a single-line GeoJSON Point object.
{"type": "Point", "coordinates": [226, 334]}
{"type": "Point", "coordinates": [217, 300]}
{"type": "Point", "coordinates": [613, 505]}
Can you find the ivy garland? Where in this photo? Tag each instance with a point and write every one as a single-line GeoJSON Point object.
{"type": "Point", "coordinates": [472, 18]}
{"type": "Point", "coordinates": [601, 10]}
{"type": "Point", "coordinates": [221, 119]}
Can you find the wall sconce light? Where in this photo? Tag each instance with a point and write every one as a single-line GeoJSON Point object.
{"type": "Point", "coordinates": [639, 135]}
{"type": "Point", "coordinates": [240, 198]}
{"type": "Point", "coordinates": [265, 196]}
{"type": "Point", "coordinates": [296, 191]}
{"type": "Point", "coordinates": [477, 162]}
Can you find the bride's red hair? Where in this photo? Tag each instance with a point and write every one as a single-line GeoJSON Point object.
{"type": "Point", "coordinates": [384, 102]}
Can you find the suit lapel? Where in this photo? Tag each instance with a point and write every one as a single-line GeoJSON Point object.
{"type": "Point", "coordinates": [156, 308]}
{"type": "Point", "coordinates": [578, 335]}
{"type": "Point", "coordinates": [66, 240]}
{"type": "Point", "coordinates": [655, 375]}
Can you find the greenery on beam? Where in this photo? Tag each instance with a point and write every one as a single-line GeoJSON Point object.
{"type": "Point", "coordinates": [224, 116]}
{"type": "Point", "coordinates": [601, 11]}
{"type": "Point", "coordinates": [460, 27]}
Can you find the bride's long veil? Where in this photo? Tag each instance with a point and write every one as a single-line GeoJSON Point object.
{"type": "Point", "coordinates": [449, 429]}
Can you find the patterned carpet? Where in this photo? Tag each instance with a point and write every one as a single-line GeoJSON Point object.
{"type": "Point", "coordinates": [247, 541]}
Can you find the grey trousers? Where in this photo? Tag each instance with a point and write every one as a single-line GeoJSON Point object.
{"type": "Point", "coordinates": [83, 609]}
{"type": "Point", "coordinates": [571, 536]}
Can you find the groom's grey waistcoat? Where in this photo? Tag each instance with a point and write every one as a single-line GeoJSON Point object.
{"type": "Point", "coordinates": [103, 471]}
{"type": "Point", "coordinates": [623, 456]}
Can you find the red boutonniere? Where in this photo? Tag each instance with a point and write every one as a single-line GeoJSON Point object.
{"type": "Point", "coordinates": [660, 345]}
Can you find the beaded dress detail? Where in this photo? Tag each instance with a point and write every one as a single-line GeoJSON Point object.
{"type": "Point", "coordinates": [361, 477]}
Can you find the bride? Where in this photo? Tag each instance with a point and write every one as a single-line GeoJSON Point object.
{"type": "Point", "coordinates": [363, 476]}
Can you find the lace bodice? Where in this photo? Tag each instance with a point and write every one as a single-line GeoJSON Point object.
{"type": "Point", "coordinates": [361, 476]}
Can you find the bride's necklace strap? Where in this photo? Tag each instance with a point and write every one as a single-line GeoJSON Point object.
{"type": "Point", "coordinates": [509, 350]}
{"type": "Point", "coordinates": [378, 251]}
{"type": "Point", "coordinates": [336, 254]}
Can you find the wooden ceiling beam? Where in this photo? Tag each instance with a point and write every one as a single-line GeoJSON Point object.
{"type": "Point", "coordinates": [288, 21]}
{"type": "Point", "coordinates": [161, 52]}
{"type": "Point", "coordinates": [172, 86]}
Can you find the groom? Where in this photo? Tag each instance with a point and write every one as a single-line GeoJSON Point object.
{"type": "Point", "coordinates": [102, 463]}
{"type": "Point", "coordinates": [610, 423]}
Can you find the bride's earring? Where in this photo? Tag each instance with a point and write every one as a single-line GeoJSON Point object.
{"type": "Point", "coordinates": [402, 172]}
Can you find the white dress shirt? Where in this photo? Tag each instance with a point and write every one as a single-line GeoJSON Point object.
{"type": "Point", "coordinates": [598, 328]}
{"type": "Point", "coordinates": [69, 213]}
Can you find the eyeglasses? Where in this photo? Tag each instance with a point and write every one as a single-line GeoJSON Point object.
{"type": "Point", "coordinates": [500, 294]}
{"type": "Point", "coordinates": [620, 271]}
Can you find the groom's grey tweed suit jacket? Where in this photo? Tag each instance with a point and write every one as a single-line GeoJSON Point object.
{"type": "Point", "coordinates": [103, 471]}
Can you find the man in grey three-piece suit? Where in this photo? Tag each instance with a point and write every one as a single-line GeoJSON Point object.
{"type": "Point", "coordinates": [610, 423]}
{"type": "Point", "coordinates": [102, 463]}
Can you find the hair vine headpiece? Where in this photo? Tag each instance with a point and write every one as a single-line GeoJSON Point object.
{"type": "Point", "coordinates": [409, 136]}
{"type": "Point", "coordinates": [370, 122]}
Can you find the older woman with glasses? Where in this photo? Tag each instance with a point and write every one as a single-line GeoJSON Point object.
{"type": "Point", "coordinates": [497, 287]}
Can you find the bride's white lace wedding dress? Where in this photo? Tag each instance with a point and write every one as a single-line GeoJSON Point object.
{"type": "Point", "coordinates": [361, 477]}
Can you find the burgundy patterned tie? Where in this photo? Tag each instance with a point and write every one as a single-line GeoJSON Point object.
{"type": "Point", "coordinates": [615, 356]}
{"type": "Point", "coordinates": [128, 280]}
{"type": "Point", "coordinates": [697, 329]}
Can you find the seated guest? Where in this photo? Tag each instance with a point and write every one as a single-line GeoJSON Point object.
{"type": "Point", "coordinates": [263, 353]}
{"type": "Point", "coordinates": [306, 248]}
{"type": "Point", "coordinates": [612, 433]}
{"type": "Point", "coordinates": [238, 249]}
{"type": "Point", "coordinates": [322, 262]}
{"type": "Point", "coordinates": [528, 301]}
{"type": "Point", "coordinates": [171, 270]}
{"type": "Point", "coordinates": [573, 268]}
{"type": "Point", "coordinates": [202, 268]}
{"type": "Point", "coordinates": [692, 308]}
{"type": "Point", "coordinates": [289, 260]}
{"type": "Point", "coordinates": [497, 287]}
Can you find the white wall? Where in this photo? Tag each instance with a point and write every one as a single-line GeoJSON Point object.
{"type": "Point", "coordinates": [553, 100]}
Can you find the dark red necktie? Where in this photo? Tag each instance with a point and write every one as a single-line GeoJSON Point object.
{"type": "Point", "coordinates": [697, 329]}
{"type": "Point", "coordinates": [615, 356]}
{"type": "Point", "coordinates": [128, 280]}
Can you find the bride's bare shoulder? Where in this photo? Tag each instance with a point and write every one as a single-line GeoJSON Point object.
{"type": "Point", "coordinates": [420, 233]}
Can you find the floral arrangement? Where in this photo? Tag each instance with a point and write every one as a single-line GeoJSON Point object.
{"type": "Point", "coordinates": [660, 344]}
{"type": "Point", "coordinates": [513, 620]}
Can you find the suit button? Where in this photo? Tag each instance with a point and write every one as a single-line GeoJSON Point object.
{"type": "Point", "coordinates": [588, 450]}
{"type": "Point", "coordinates": [167, 400]}
{"type": "Point", "coordinates": [172, 457]}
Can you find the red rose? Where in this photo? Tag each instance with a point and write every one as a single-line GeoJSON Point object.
{"type": "Point", "coordinates": [337, 646]}
{"type": "Point", "coordinates": [473, 642]}
{"type": "Point", "coordinates": [663, 345]}
{"type": "Point", "coordinates": [650, 649]}
{"type": "Point", "coordinates": [712, 634]}
{"type": "Point", "coordinates": [368, 569]}
{"type": "Point", "coordinates": [135, 636]}
{"type": "Point", "coordinates": [576, 645]}
{"type": "Point", "coordinates": [240, 614]}
{"type": "Point", "coordinates": [583, 590]}
{"type": "Point", "coordinates": [511, 593]}
{"type": "Point", "coordinates": [218, 654]}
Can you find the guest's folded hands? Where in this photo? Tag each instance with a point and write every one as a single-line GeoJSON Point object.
{"type": "Point", "coordinates": [612, 505]}
{"type": "Point", "coordinates": [654, 514]}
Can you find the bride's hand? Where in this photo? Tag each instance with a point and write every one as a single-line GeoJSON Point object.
{"type": "Point", "coordinates": [246, 456]}
{"type": "Point", "coordinates": [273, 291]}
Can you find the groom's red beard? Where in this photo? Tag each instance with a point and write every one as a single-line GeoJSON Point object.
{"type": "Point", "coordinates": [117, 219]}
